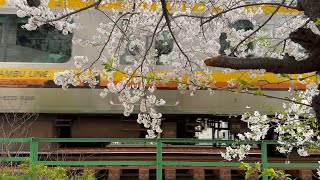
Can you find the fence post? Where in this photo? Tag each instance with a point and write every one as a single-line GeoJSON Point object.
{"type": "Point", "coordinates": [159, 159]}
{"type": "Point", "coordinates": [264, 158]}
{"type": "Point", "coordinates": [34, 150]}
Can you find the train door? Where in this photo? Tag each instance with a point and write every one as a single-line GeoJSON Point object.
{"type": "Point", "coordinates": [63, 128]}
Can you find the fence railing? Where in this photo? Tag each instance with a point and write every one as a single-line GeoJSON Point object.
{"type": "Point", "coordinates": [159, 163]}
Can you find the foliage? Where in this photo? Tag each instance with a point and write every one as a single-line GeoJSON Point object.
{"type": "Point", "coordinates": [317, 23]}
{"type": "Point", "coordinates": [6, 174]}
{"type": "Point", "coordinates": [41, 172]}
{"type": "Point", "coordinates": [257, 169]}
{"type": "Point", "coordinates": [86, 175]}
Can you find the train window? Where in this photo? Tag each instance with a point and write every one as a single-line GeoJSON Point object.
{"type": "Point", "coordinates": [163, 46]}
{"type": "Point", "coordinates": [1, 27]}
{"type": "Point", "coordinates": [2, 53]}
{"type": "Point", "coordinates": [130, 53]}
{"type": "Point", "coordinates": [45, 45]}
{"type": "Point", "coordinates": [238, 25]}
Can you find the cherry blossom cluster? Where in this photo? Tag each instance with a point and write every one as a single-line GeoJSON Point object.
{"type": "Point", "coordinates": [295, 126]}
{"type": "Point", "coordinates": [258, 125]}
{"type": "Point", "coordinates": [66, 78]}
{"type": "Point", "coordinates": [238, 152]}
{"type": "Point", "coordinates": [89, 76]}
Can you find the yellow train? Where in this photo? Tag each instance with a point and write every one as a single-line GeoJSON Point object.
{"type": "Point", "coordinates": [29, 59]}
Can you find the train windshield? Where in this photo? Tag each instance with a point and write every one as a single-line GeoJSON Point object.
{"type": "Point", "coordinates": [238, 25]}
{"type": "Point", "coordinates": [44, 45]}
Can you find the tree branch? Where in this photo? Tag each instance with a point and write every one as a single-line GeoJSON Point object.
{"type": "Point", "coordinates": [306, 38]}
{"type": "Point", "coordinates": [311, 8]}
{"type": "Point", "coordinates": [286, 65]}
{"type": "Point", "coordinates": [97, 3]}
{"type": "Point", "coordinates": [167, 18]}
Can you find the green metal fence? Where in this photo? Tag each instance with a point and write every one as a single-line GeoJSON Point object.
{"type": "Point", "coordinates": [159, 163]}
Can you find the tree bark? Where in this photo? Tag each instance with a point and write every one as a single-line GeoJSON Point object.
{"type": "Point", "coordinates": [316, 106]}
{"type": "Point", "coordinates": [286, 65]}
{"type": "Point", "coordinates": [307, 39]}
{"type": "Point", "coordinates": [311, 8]}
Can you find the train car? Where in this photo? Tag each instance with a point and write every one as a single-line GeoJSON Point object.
{"type": "Point", "coordinates": [29, 59]}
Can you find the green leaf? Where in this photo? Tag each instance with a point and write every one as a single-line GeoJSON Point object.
{"type": "Point", "coordinates": [108, 65]}
{"type": "Point", "coordinates": [244, 166]}
{"type": "Point", "coordinates": [268, 172]}
{"type": "Point", "coordinates": [318, 74]}
{"type": "Point", "coordinates": [248, 174]}
{"type": "Point", "coordinates": [86, 175]}
{"type": "Point", "coordinates": [240, 88]}
{"type": "Point", "coordinates": [317, 23]}
{"type": "Point", "coordinates": [270, 110]}
{"type": "Point", "coordinates": [253, 86]}
{"type": "Point", "coordinates": [262, 80]}
{"type": "Point", "coordinates": [150, 76]}
{"type": "Point", "coordinates": [284, 75]}
{"type": "Point", "coordinates": [258, 92]}
{"type": "Point", "coordinates": [110, 61]}
{"type": "Point", "coordinates": [243, 82]}
{"type": "Point", "coordinates": [258, 166]}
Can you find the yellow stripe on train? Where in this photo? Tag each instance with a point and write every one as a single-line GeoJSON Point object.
{"type": "Point", "coordinates": [198, 7]}
{"type": "Point", "coordinates": [218, 76]}
{"type": "Point", "coordinates": [27, 73]}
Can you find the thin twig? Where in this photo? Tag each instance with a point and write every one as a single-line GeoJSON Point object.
{"type": "Point", "coordinates": [105, 44]}
{"type": "Point", "coordinates": [166, 16]}
{"type": "Point", "coordinates": [265, 22]}
{"type": "Point", "coordinates": [145, 55]}
{"type": "Point", "coordinates": [76, 11]}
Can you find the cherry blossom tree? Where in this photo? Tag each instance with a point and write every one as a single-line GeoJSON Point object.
{"type": "Point", "coordinates": [190, 43]}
